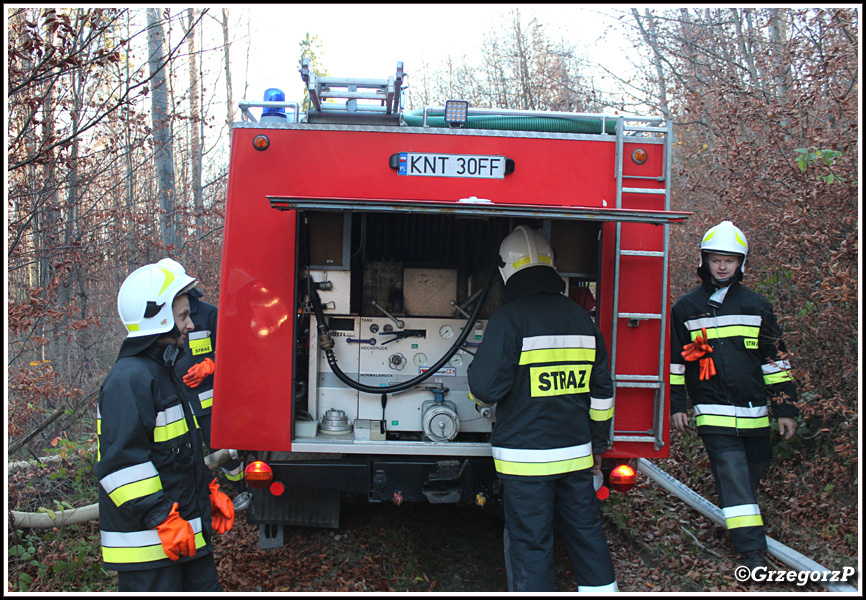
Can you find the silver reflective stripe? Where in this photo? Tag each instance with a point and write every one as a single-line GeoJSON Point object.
{"type": "Point", "coordinates": [610, 587]}
{"type": "Point", "coordinates": [709, 322]}
{"type": "Point", "coordinates": [169, 415]}
{"type": "Point", "coordinates": [128, 475]}
{"type": "Point", "coordinates": [205, 395]}
{"type": "Point", "coordinates": [731, 411]}
{"type": "Point", "coordinates": [776, 367]}
{"type": "Point", "coordinates": [541, 342]}
{"type": "Point", "coordinates": [542, 456]}
{"type": "Point", "coordinates": [600, 403]}
{"type": "Point", "coordinates": [678, 369]}
{"type": "Point", "coordinates": [199, 335]}
{"type": "Point", "coordinates": [742, 510]}
{"type": "Point", "coordinates": [139, 539]}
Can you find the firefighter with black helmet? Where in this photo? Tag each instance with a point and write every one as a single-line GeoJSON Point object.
{"type": "Point", "coordinates": [728, 357]}
{"type": "Point", "coordinates": [158, 507]}
{"type": "Point", "coordinates": [544, 364]}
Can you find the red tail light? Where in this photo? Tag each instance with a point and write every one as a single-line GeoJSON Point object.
{"type": "Point", "coordinates": [623, 478]}
{"type": "Point", "coordinates": [258, 475]}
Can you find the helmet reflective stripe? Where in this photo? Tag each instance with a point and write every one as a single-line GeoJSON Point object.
{"type": "Point", "coordinates": [523, 248]}
{"type": "Point", "coordinates": [144, 301]}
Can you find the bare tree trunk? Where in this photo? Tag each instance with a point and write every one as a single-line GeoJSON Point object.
{"type": "Point", "coordinates": [162, 133]}
{"type": "Point", "coordinates": [195, 121]}
{"type": "Point", "coordinates": [650, 36]}
{"type": "Point", "coordinates": [230, 109]}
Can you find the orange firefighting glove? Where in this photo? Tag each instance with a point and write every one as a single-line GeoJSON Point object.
{"type": "Point", "coordinates": [696, 350]}
{"type": "Point", "coordinates": [176, 535]}
{"type": "Point", "coordinates": [221, 508]}
{"type": "Point", "coordinates": [197, 373]}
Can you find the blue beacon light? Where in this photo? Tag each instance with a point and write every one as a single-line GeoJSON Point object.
{"type": "Point", "coordinates": [274, 95]}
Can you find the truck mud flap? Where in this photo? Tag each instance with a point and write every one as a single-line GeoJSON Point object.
{"type": "Point", "coordinates": [301, 506]}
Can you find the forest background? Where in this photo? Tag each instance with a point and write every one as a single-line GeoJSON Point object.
{"type": "Point", "coordinates": [117, 137]}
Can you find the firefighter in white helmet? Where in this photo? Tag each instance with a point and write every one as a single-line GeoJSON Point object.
{"type": "Point", "coordinates": [157, 511]}
{"type": "Point", "coordinates": [195, 366]}
{"type": "Point", "coordinates": [543, 362]}
{"type": "Point", "coordinates": [728, 357]}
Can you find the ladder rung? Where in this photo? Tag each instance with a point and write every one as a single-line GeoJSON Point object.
{"type": "Point", "coordinates": [636, 384]}
{"type": "Point", "coordinates": [643, 191]}
{"type": "Point", "coordinates": [646, 129]}
{"type": "Point", "coordinates": [633, 438]}
{"type": "Point", "coordinates": [354, 95]}
{"type": "Point", "coordinates": [624, 315]}
{"type": "Point", "coordinates": [641, 253]}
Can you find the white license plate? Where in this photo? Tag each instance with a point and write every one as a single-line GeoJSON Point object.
{"type": "Point", "coordinates": [452, 165]}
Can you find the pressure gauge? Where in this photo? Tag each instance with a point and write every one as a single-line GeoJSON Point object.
{"type": "Point", "coordinates": [446, 332]}
{"type": "Point", "coordinates": [420, 359]}
{"type": "Point", "coordinates": [456, 360]}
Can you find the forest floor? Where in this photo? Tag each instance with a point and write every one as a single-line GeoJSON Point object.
{"type": "Point", "coordinates": [657, 542]}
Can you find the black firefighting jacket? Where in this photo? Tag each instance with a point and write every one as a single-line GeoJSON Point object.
{"type": "Point", "coordinates": [149, 456]}
{"type": "Point", "coordinates": [201, 344]}
{"type": "Point", "coordinates": [544, 363]}
{"type": "Point", "coordinates": [746, 342]}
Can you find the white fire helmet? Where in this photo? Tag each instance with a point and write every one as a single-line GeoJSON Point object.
{"type": "Point", "coordinates": [146, 295]}
{"type": "Point", "coordinates": [523, 248]}
{"type": "Point", "coordinates": [725, 238]}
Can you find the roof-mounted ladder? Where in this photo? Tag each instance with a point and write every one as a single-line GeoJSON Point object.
{"type": "Point", "coordinates": [662, 128]}
{"type": "Point", "coordinates": [322, 89]}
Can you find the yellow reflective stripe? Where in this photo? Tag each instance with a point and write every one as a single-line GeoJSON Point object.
{"type": "Point", "coordinates": [745, 521]}
{"type": "Point", "coordinates": [746, 423]}
{"type": "Point", "coordinates": [552, 355]}
{"type": "Point", "coordinates": [526, 260]}
{"type": "Point", "coordinates": [728, 332]}
{"type": "Point", "coordinates": [236, 477]}
{"type": "Point", "coordinates": [169, 277]}
{"type": "Point", "coordinates": [170, 424]}
{"type": "Point", "coordinates": [134, 490]}
{"type": "Point", "coordinates": [600, 409]}
{"type": "Point", "coordinates": [206, 399]}
{"type": "Point", "coordinates": [678, 379]}
{"type": "Point", "coordinates": [600, 415]}
{"type": "Point", "coordinates": [140, 546]}
{"type": "Point", "coordinates": [733, 422]}
{"type": "Point", "coordinates": [778, 377]}
{"type": "Point", "coordinates": [538, 469]}
{"type": "Point", "coordinates": [132, 327]}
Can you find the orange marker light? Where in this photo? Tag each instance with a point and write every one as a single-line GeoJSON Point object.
{"type": "Point", "coordinates": [639, 156]}
{"type": "Point", "coordinates": [623, 478]}
{"type": "Point", "coordinates": [258, 474]}
{"type": "Point", "coordinates": [261, 142]}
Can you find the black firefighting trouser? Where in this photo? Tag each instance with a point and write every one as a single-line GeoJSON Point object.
{"type": "Point", "coordinates": [198, 575]}
{"type": "Point", "coordinates": [531, 510]}
{"type": "Point", "coordinates": [738, 464]}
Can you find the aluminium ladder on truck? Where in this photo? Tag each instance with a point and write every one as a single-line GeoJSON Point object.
{"type": "Point", "coordinates": [657, 127]}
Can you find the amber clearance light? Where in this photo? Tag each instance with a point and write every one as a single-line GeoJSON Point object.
{"type": "Point", "coordinates": [639, 156]}
{"type": "Point", "coordinates": [623, 478]}
{"type": "Point", "coordinates": [261, 142]}
{"type": "Point", "coordinates": [258, 474]}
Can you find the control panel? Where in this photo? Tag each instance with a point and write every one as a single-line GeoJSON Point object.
{"type": "Point", "coordinates": [376, 351]}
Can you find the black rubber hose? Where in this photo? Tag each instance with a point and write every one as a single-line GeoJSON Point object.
{"type": "Point", "coordinates": [328, 346]}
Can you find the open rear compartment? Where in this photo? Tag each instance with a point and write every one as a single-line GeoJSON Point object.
{"type": "Point", "coordinates": [397, 290]}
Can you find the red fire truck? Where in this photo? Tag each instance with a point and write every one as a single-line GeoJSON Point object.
{"type": "Point", "coordinates": [358, 275]}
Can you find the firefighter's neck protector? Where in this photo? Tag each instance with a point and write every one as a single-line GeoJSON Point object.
{"type": "Point", "coordinates": [523, 248]}
{"type": "Point", "coordinates": [145, 298]}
